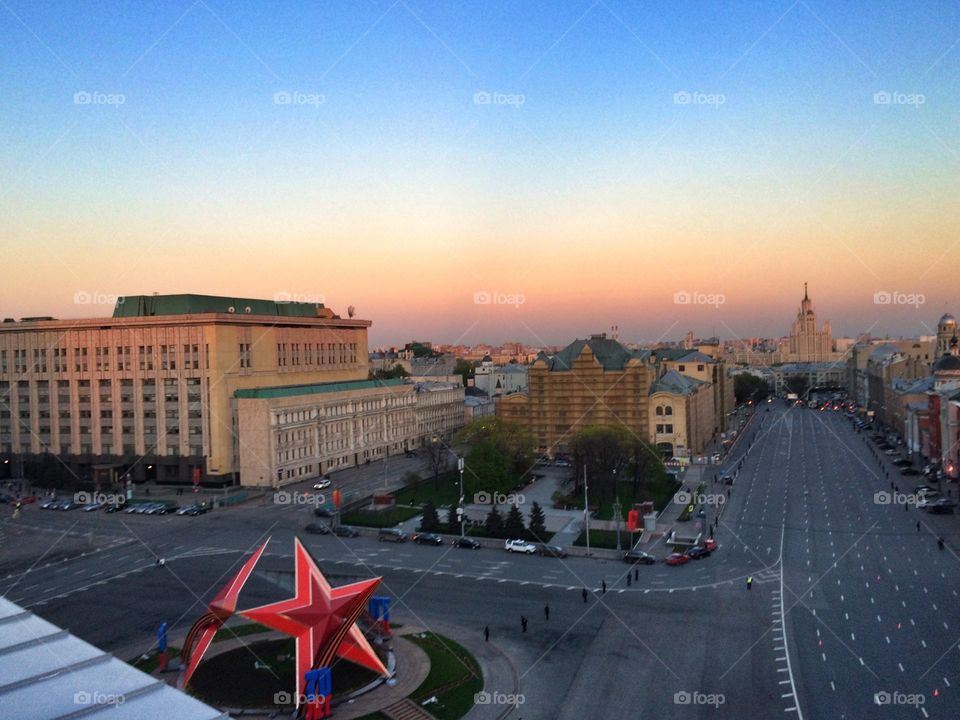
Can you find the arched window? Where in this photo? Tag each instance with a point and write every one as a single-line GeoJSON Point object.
{"type": "Point", "coordinates": [659, 409]}
{"type": "Point", "coordinates": [669, 410]}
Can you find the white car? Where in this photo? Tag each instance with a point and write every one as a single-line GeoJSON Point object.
{"type": "Point", "coordinates": [520, 546]}
{"type": "Point", "coordinates": [321, 484]}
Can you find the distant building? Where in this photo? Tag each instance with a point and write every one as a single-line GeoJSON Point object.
{"type": "Point", "coordinates": [477, 407]}
{"type": "Point", "coordinates": [598, 381]}
{"type": "Point", "coordinates": [807, 342]}
{"type": "Point", "coordinates": [497, 380]}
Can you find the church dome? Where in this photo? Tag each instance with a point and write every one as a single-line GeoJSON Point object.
{"type": "Point", "coordinates": [948, 364]}
{"type": "Point", "coordinates": [948, 320]}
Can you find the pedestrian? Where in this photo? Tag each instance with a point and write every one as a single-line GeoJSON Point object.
{"type": "Point", "coordinates": [546, 612]}
{"type": "Point", "coordinates": [940, 543]}
{"type": "Point", "coordinates": [628, 579]}
{"type": "Point", "coordinates": [523, 623]}
{"type": "Point", "coordinates": [486, 633]}
{"type": "Point", "coordinates": [584, 593]}
{"type": "Point", "coordinates": [918, 526]}
{"type": "Point", "coordinates": [604, 586]}
{"type": "Point", "coordinates": [749, 582]}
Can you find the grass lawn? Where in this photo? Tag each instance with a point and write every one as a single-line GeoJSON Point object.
{"type": "Point", "coordinates": [381, 519]}
{"type": "Point", "coordinates": [232, 679]}
{"type": "Point", "coordinates": [455, 677]}
{"type": "Point", "coordinates": [446, 492]}
{"type": "Point", "coordinates": [153, 661]}
{"type": "Point", "coordinates": [232, 631]}
{"type": "Point", "coordinates": [660, 490]}
{"type": "Point", "coordinates": [606, 539]}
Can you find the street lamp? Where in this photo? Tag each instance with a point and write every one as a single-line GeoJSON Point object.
{"type": "Point", "coordinates": [617, 517]}
{"type": "Point", "coordinates": [460, 504]}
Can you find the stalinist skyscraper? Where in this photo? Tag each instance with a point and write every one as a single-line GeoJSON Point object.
{"type": "Point", "coordinates": [807, 344]}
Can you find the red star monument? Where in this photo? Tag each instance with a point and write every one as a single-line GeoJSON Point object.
{"type": "Point", "coordinates": [322, 619]}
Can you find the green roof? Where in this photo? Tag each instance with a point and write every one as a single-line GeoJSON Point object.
{"type": "Point", "coordinates": [294, 390]}
{"type": "Point", "coordinates": [609, 353]}
{"type": "Point", "coordinates": [147, 305]}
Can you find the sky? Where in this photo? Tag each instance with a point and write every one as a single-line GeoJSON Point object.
{"type": "Point", "coordinates": [475, 172]}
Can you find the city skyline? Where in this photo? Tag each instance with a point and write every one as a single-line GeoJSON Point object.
{"type": "Point", "coordinates": [593, 160]}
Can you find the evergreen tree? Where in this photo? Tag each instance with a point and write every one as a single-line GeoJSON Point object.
{"type": "Point", "coordinates": [452, 525]}
{"type": "Point", "coordinates": [494, 523]}
{"type": "Point", "coordinates": [513, 526]}
{"type": "Point", "coordinates": [430, 522]}
{"type": "Point", "coordinates": [538, 526]}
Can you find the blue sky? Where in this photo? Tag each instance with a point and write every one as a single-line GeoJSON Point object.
{"type": "Point", "coordinates": [399, 161]}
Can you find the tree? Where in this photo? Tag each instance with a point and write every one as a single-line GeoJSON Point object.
{"type": "Point", "coordinates": [453, 524]}
{"type": "Point", "coordinates": [412, 479]}
{"type": "Point", "coordinates": [538, 522]}
{"type": "Point", "coordinates": [513, 525]}
{"type": "Point", "coordinates": [465, 369]}
{"type": "Point", "coordinates": [504, 453]}
{"type": "Point", "coordinates": [605, 451]}
{"type": "Point", "coordinates": [494, 523]}
{"type": "Point", "coordinates": [749, 387]}
{"type": "Point", "coordinates": [430, 522]}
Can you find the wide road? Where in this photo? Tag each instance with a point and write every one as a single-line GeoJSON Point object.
{"type": "Point", "coordinates": [851, 605]}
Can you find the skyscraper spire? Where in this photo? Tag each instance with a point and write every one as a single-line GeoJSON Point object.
{"type": "Point", "coordinates": [805, 297]}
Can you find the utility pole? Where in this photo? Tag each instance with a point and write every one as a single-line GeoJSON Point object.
{"type": "Point", "coordinates": [586, 508]}
{"type": "Point", "coordinates": [460, 504]}
{"type": "Point", "coordinates": [617, 517]}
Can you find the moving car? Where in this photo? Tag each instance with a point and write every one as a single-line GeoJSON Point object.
{"type": "Point", "coordinates": [520, 546]}
{"type": "Point", "coordinates": [639, 556]}
{"type": "Point", "coordinates": [391, 535]}
{"type": "Point", "coordinates": [468, 543]}
{"type": "Point", "coordinates": [346, 531]}
{"type": "Point", "coordinates": [697, 552]}
{"type": "Point", "coordinates": [427, 539]}
{"type": "Point", "coordinates": [321, 484]}
{"type": "Point", "coordinates": [676, 559]}
{"type": "Point", "coordinates": [317, 528]}
{"type": "Point", "coordinates": [552, 551]}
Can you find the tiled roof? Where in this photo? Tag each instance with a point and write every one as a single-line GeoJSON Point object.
{"type": "Point", "coordinates": [609, 353]}
{"type": "Point", "coordinates": [676, 383]}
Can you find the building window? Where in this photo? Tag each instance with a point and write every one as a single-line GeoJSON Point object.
{"type": "Point", "coordinates": [700, 368]}
{"type": "Point", "coordinates": [668, 410]}
{"type": "Point", "coordinates": [103, 359]}
{"type": "Point", "coordinates": [168, 357]}
{"type": "Point", "coordinates": [659, 410]}
{"type": "Point", "coordinates": [668, 429]}
{"type": "Point", "coordinates": [19, 361]}
{"type": "Point", "coordinates": [659, 429]}
{"type": "Point", "coordinates": [681, 368]}
{"type": "Point", "coordinates": [244, 355]}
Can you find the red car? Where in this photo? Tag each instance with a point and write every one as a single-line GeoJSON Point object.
{"type": "Point", "coordinates": [710, 544]}
{"type": "Point", "coordinates": [677, 559]}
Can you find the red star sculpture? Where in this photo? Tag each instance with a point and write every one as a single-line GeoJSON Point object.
{"type": "Point", "coordinates": [220, 608]}
{"type": "Point", "coordinates": [322, 619]}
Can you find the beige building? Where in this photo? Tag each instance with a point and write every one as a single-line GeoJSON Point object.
{"type": "Point", "coordinates": [598, 381]}
{"type": "Point", "coordinates": [173, 386]}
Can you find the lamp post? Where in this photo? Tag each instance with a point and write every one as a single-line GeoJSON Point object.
{"type": "Point", "coordinates": [586, 508]}
{"type": "Point", "coordinates": [435, 459]}
{"type": "Point", "coordinates": [460, 503]}
{"type": "Point", "coordinates": [617, 517]}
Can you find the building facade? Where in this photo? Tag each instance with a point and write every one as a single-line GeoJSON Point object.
{"type": "Point", "coordinates": [497, 380]}
{"type": "Point", "coordinates": [150, 390]}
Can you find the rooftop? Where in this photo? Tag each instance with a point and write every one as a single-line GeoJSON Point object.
{"type": "Point", "coordinates": [314, 389]}
{"type": "Point", "coordinates": [609, 353]}
{"type": "Point", "coordinates": [149, 305]}
{"type": "Point", "coordinates": [676, 383]}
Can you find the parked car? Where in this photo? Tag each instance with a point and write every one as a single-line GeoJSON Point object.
{"type": "Point", "coordinates": [346, 531]}
{"type": "Point", "coordinates": [157, 509]}
{"type": "Point", "coordinates": [468, 543]}
{"type": "Point", "coordinates": [68, 505]}
{"type": "Point", "coordinates": [427, 539]}
{"type": "Point", "coordinates": [943, 506]}
{"type": "Point", "coordinates": [520, 546]}
{"type": "Point", "coordinates": [92, 507]}
{"type": "Point", "coordinates": [321, 484]}
{"type": "Point", "coordinates": [317, 528]}
{"type": "Point", "coordinates": [639, 556]}
{"type": "Point", "coordinates": [697, 552]}
{"type": "Point", "coordinates": [130, 509]}
{"type": "Point", "coordinates": [676, 559]}
{"type": "Point", "coordinates": [909, 471]}
{"type": "Point", "coordinates": [391, 535]}
{"type": "Point", "coordinates": [113, 508]}
{"type": "Point", "coordinates": [552, 551]}
{"type": "Point", "coordinates": [49, 504]}
{"type": "Point", "coordinates": [710, 544]}
{"type": "Point", "coordinates": [321, 511]}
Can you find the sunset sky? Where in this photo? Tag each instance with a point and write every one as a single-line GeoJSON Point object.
{"type": "Point", "coordinates": [148, 146]}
